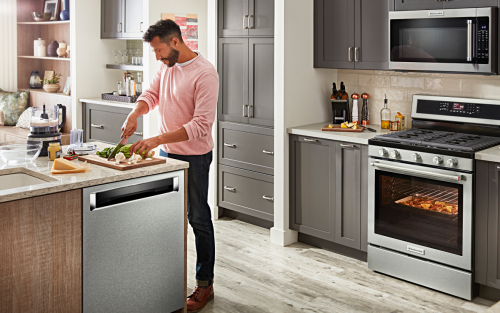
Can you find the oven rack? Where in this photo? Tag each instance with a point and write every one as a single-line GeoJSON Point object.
{"type": "Point", "coordinates": [435, 194]}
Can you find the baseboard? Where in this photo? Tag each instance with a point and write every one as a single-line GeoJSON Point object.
{"type": "Point", "coordinates": [489, 293]}
{"type": "Point", "coordinates": [245, 218]}
{"type": "Point", "coordinates": [333, 247]}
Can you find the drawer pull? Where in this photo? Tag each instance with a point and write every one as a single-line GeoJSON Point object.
{"type": "Point", "coordinates": [498, 167]}
{"type": "Point", "coordinates": [138, 134]}
{"type": "Point", "coordinates": [310, 140]}
{"type": "Point", "coordinates": [229, 145]}
{"type": "Point", "coordinates": [97, 126]}
{"type": "Point", "coordinates": [346, 146]}
{"type": "Point", "coordinates": [245, 110]}
{"type": "Point", "coordinates": [268, 198]}
{"type": "Point", "coordinates": [268, 152]}
{"type": "Point", "coordinates": [230, 188]}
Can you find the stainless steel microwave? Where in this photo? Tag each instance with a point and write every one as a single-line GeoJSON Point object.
{"type": "Point", "coordinates": [456, 40]}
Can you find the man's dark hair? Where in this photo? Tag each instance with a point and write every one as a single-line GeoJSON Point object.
{"type": "Point", "coordinates": [165, 29]}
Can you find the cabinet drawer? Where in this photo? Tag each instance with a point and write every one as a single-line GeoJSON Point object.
{"type": "Point", "coordinates": [247, 147]}
{"type": "Point", "coordinates": [104, 123]}
{"type": "Point", "coordinates": [246, 192]}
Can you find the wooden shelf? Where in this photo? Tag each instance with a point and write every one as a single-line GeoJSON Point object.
{"type": "Point", "coordinates": [127, 67]}
{"type": "Point", "coordinates": [45, 58]}
{"type": "Point", "coordinates": [59, 93]}
{"type": "Point", "coordinates": [43, 23]}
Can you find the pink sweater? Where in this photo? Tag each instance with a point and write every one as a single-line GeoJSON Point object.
{"type": "Point", "coordinates": [186, 96]}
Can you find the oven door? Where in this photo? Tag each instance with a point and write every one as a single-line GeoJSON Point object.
{"type": "Point", "coordinates": [455, 40]}
{"type": "Point", "coordinates": [421, 211]}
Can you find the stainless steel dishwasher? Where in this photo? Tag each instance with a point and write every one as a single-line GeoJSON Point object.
{"type": "Point", "coordinates": [133, 245]}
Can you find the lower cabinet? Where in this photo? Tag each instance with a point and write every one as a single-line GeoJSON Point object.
{"type": "Point", "coordinates": [328, 190]}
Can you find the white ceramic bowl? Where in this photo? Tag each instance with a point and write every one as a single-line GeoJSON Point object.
{"type": "Point", "coordinates": [20, 152]}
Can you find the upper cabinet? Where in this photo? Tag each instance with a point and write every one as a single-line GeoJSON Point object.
{"type": "Point", "coordinates": [409, 5]}
{"type": "Point", "coordinates": [243, 18]}
{"type": "Point", "coordinates": [121, 19]}
{"type": "Point", "coordinates": [351, 34]}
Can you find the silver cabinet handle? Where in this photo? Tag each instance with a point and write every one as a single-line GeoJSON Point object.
{"type": "Point", "coordinates": [140, 27]}
{"type": "Point", "coordinates": [349, 54]}
{"type": "Point", "coordinates": [250, 111]}
{"type": "Point", "coordinates": [230, 188]}
{"type": "Point", "coordinates": [346, 146]}
{"type": "Point", "coordinates": [268, 198]}
{"type": "Point", "coordinates": [356, 54]}
{"type": "Point", "coordinates": [119, 27]}
{"type": "Point", "coordinates": [310, 140]}
{"type": "Point", "coordinates": [268, 152]}
{"type": "Point", "coordinates": [250, 17]}
{"type": "Point", "coordinates": [244, 26]}
{"type": "Point", "coordinates": [469, 40]}
{"type": "Point", "coordinates": [498, 167]}
{"type": "Point", "coordinates": [229, 145]}
{"type": "Point", "coordinates": [244, 110]}
{"type": "Point", "coordinates": [97, 126]}
{"type": "Point", "coordinates": [398, 169]}
{"type": "Point", "coordinates": [138, 134]}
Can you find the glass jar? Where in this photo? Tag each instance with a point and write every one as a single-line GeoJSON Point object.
{"type": "Point", "coordinates": [394, 125]}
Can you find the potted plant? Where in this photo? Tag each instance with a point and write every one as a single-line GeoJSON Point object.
{"type": "Point", "coordinates": [52, 85]}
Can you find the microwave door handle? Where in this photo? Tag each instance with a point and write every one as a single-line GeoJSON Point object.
{"type": "Point", "coordinates": [469, 40]}
{"type": "Point", "coordinates": [418, 172]}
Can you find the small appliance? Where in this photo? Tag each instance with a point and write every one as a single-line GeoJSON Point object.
{"type": "Point", "coordinates": [44, 125]}
{"type": "Point", "coordinates": [340, 110]}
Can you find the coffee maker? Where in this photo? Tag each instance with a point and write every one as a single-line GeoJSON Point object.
{"type": "Point", "coordinates": [44, 125]}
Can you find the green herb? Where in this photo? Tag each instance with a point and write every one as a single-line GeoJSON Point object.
{"type": "Point", "coordinates": [54, 80]}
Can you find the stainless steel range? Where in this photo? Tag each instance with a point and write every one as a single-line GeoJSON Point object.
{"type": "Point", "coordinates": [421, 182]}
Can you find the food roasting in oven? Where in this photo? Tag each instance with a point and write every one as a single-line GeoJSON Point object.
{"type": "Point", "coordinates": [430, 204]}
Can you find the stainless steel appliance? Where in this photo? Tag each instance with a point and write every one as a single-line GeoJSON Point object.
{"type": "Point", "coordinates": [44, 125]}
{"type": "Point", "coordinates": [133, 245]}
{"type": "Point", "coordinates": [455, 40]}
{"type": "Point", "coordinates": [420, 200]}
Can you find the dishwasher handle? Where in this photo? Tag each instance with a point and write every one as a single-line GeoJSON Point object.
{"type": "Point", "coordinates": [109, 198]}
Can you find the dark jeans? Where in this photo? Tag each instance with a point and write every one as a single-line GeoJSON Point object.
{"type": "Point", "coordinates": [199, 215]}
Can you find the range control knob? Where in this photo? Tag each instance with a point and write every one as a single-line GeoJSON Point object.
{"type": "Point", "coordinates": [382, 152]}
{"type": "Point", "coordinates": [452, 162]}
{"type": "Point", "coordinates": [415, 157]}
{"type": "Point", "coordinates": [394, 154]}
{"type": "Point", "coordinates": [437, 160]}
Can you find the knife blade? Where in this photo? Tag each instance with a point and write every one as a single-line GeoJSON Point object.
{"type": "Point", "coordinates": [122, 143]}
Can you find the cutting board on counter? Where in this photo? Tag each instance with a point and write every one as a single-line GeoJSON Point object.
{"type": "Point", "coordinates": [97, 160]}
{"type": "Point", "coordinates": [337, 128]}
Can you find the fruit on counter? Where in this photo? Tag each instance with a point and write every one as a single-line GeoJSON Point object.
{"type": "Point", "coordinates": [349, 125]}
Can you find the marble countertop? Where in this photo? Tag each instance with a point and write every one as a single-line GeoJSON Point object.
{"type": "Point", "coordinates": [108, 103]}
{"type": "Point", "coordinates": [492, 154]}
{"type": "Point", "coordinates": [62, 182]}
{"type": "Point", "coordinates": [314, 130]}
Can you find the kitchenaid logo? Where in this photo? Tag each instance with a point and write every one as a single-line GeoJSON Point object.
{"type": "Point", "coordinates": [436, 13]}
{"type": "Point", "coordinates": [415, 250]}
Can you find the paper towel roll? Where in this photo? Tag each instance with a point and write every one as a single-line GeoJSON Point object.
{"type": "Point", "coordinates": [36, 44]}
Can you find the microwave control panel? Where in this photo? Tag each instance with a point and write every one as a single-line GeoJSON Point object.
{"type": "Point", "coordinates": [483, 40]}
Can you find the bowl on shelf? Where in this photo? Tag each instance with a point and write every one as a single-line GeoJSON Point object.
{"type": "Point", "coordinates": [41, 17]}
{"type": "Point", "coordinates": [51, 87]}
{"type": "Point", "coordinates": [20, 152]}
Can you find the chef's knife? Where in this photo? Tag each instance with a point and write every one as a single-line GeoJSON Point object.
{"type": "Point", "coordinates": [122, 143]}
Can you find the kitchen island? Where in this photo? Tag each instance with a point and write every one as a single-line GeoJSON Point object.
{"type": "Point", "coordinates": [43, 231]}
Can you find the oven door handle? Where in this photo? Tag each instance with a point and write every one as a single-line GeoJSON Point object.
{"type": "Point", "coordinates": [418, 172]}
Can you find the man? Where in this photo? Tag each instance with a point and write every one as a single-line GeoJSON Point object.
{"type": "Point", "coordinates": [185, 90]}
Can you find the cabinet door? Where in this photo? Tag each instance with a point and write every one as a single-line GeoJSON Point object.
{"type": "Point", "coordinates": [348, 195]}
{"type": "Point", "coordinates": [261, 81]}
{"type": "Point", "coordinates": [111, 18]}
{"type": "Point", "coordinates": [457, 4]}
{"type": "Point", "coordinates": [261, 18]}
{"type": "Point", "coordinates": [334, 34]}
{"type": "Point", "coordinates": [493, 278]}
{"type": "Point", "coordinates": [132, 19]}
{"type": "Point", "coordinates": [233, 18]}
{"type": "Point", "coordinates": [371, 51]}
{"type": "Point", "coordinates": [312, 186]}
{"type": "Point", "coordinates": [233, 86]}
{"type": "Point", "coordinates": [409, 5]}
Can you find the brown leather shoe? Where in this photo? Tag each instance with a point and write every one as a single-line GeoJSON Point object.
{"type": "Point", "coordinates": [200, 296]}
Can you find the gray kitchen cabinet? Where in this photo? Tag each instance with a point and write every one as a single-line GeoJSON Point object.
{"type": "Point", "coordinates": [328, 190]}
{"type": "Point", "coordinates": [243, 18]}
{"type": "Point", "coordinates": [409, 5]}
{"type": "Point", "coordinates": [457, 4]}
{"type": "Point", "coordinates": [132, 19]}
{"type": "Point", "coordinates": [356, 38]}
{"type": "Point", "coordinates": [122, 19]}
{"type": "Point", "coordinates": [103, 123]}
{"type": "Point", "coordinates": [246, 88]}
{"type": "Point", "coordinates": [493, 270]}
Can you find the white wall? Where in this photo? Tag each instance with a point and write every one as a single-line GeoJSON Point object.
{"type": "Point", "coordinates": [302, 96]}
{"type": "Point", "coordinates": [8, 48]}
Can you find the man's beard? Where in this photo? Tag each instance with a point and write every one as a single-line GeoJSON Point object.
{"type": "Point", "coordinates": [172, 58]}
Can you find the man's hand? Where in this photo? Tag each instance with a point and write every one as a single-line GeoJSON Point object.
{"type": "Point", "coordinates": [129, 126]}
{"type": "Point", "coordinates": [145, 145]}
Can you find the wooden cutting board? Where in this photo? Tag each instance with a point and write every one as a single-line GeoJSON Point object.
{"type": "Point", "coordinates": [337, 128]}
{"type": "Point", "coordinates": [95, 159]}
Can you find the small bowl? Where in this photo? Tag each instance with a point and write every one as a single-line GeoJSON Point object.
{"type": "Point", "coordinates": [40, 17]}
{"type": "Point", "coordinates": [20, 152]}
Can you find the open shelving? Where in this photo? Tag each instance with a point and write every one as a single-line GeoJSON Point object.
{"type": "Point", "coordinates": [44, 23]}
{"type": "Point", "coordinates": [126, 67]}
{"type": "Point", "coordinates": [43, 58]}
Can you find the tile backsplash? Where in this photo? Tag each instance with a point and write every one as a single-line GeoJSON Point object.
{"type": "Point", "coordinates": [401, 86]}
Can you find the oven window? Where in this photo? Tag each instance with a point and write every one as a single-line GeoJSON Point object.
{"type": "Point", "coordinates": [421, 211]}
{"type": "Point", "coordinates": [429, 40]}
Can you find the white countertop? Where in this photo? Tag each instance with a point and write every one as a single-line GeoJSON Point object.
{"type": "Point", "coordinates": [492, 154]}
{"type": "Point", "coordinates": [62, 182]}
{"type": "Point", "coordinates": [108, 103]}
{"type": "Point", "coordinates": [314, 130]}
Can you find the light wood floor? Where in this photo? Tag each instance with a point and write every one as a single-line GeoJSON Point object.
{"type": "Point", "coordinates": [253, 275]}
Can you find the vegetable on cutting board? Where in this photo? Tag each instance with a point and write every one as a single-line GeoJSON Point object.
{"type": "Point", "coordinates": [125, 150]}
{"type": "Point", "coordinates": [63, 166]}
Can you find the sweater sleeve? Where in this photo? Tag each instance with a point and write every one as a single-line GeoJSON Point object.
{"type": "Point", "coordinates": [206, 93]}
{"type": "Point", "coordinates": [151, 95]}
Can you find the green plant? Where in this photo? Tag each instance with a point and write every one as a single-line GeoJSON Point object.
{"type": "Point", "coordinates": [54, 80]}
